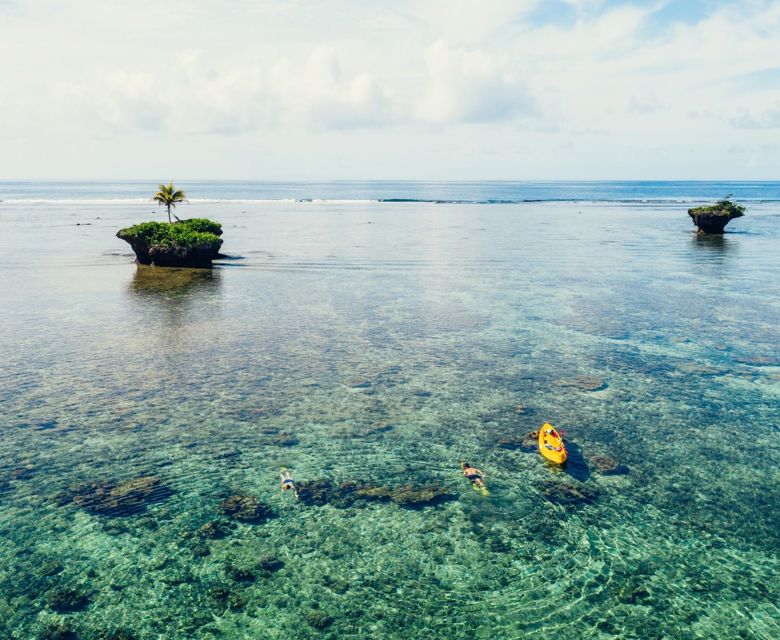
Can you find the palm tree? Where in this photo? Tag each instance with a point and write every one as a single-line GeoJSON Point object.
{"type": "Point", "coordinates": [168, 196]}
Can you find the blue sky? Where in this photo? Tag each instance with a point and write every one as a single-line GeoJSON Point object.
{"type": "Point", "coordinates": [425, 89]}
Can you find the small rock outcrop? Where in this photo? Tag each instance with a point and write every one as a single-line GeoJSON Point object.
{"type": "Point", "coordinates": [712, 219]}
{"type": "Point", "coordinates": [124, 498]}
{"type": "Point", "coordinates": [185, 243]}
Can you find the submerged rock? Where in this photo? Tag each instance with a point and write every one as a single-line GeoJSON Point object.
{"type": "Point", "coordinates": [607, 465]}
{"type": "Point", "coordinates": [214, 530]}
{"type": "Point", "coordinates": [759, 361]}
{"type": "Point", "coordinates": [118, 634]}
{"type": "Point", "coordinates": [316, 492]}
{"type": "Point", "coordinates": [286, 440]}
{"type": "Point", "coordinates": [58, 630]}
{"type": "Point", "coordinates": [245, 509]}
{"type": "Point", "coordinates": [413, 497]}
{"type": "Point", "coordinates": [227, 454]}
{"type": "Point", "coordinates": [528, 442]}
{"type": "Point", "coordinates": [67, 600]}
{"type": "Point", "coordinates": [23, 472]}
{"type": "Point", "coordinates": [377, 429]}
{"type": "Point", "coordinates": [570, 495]}
{"type": "Point", "coordinates": [712, 219]}
{"type": "Point", "coordinates": [271, 564]}
{"type": "Point", "coordinates": [358, 383]}
{"type": "Point", "coordinates": [318, 619]}
{"type": "Point", "coordinates": [700, 369]}
{"type": "Point", "coordinates": [124, 498]}
{"type": "Point", "coordinates": [249, 571]}
{"type": "Point", "coordinates": [588, 383]}
{"type": "Point", "coordinates": [321, 492]}
{"type": "Point", "coordinates": [241, 573]}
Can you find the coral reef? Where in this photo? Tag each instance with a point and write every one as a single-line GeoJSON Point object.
{"type": "Point", "coordinates": [195, 388]}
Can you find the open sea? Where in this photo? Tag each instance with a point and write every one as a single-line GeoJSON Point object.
{"type": "Point", "coordinates": [368, 336]}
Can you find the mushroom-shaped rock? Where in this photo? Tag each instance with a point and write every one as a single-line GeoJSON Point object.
{"type": "Point", "coordinates": [712, 219]}
{"type": "Point", "coordinates": [185, 243]}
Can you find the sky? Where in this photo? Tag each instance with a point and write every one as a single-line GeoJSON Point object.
{"type": "Point", "coordinates": [369, 89]}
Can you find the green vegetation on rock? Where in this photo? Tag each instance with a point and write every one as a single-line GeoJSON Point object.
{"type": "Point", "coordinates": [185, 243]}
{"type": "Point", "coordinates": [721, 208]}
{"type": "Point", "coordinates": [712, 219]}
{"type": "Point", "coordinates": [185, 233]}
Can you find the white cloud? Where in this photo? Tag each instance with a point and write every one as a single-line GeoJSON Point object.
{"type": "Point", "coordinates": [471, 22]}
{"type": "Point", "coordinates": [469, 86]}
{"type": "Point", "coordinates": [406, 77]}
{"type": "Point", "coordinates": [320, 94]}
{"type": "Point", "coordinates": [766, 119]}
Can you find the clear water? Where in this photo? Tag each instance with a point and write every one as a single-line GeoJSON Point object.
{"type": "Point", "coordinates": [383, 343]}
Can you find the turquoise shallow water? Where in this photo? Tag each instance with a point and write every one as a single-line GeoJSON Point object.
{"type": "Point", "coordinates": [382, 343]}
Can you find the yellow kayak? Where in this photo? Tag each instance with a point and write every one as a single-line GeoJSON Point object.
{"type": "Point", "coordinates": [551, 444]}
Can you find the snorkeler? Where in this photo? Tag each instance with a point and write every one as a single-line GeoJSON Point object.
{"type": "Point", "coordinates": [287, 482]}
{"type": "Point", "coordinates": [476, 476]}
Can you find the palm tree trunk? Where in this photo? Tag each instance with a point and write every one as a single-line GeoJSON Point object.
{"type": "Point", "coordinates": [169, 213]}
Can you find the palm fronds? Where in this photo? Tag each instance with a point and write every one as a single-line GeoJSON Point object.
{"type": "Point", "coordinates": [169, 196]}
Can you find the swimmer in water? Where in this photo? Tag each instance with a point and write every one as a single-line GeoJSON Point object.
{"type": "Point", "coordinates": [288, 484]}
{"type": "Point", "coordinates": [476, 476]}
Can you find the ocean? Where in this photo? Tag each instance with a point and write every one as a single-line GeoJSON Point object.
{"type": "Point", "coordinates": [476, 192]}
{"type": "Point", "coordinates": [370, 336]}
